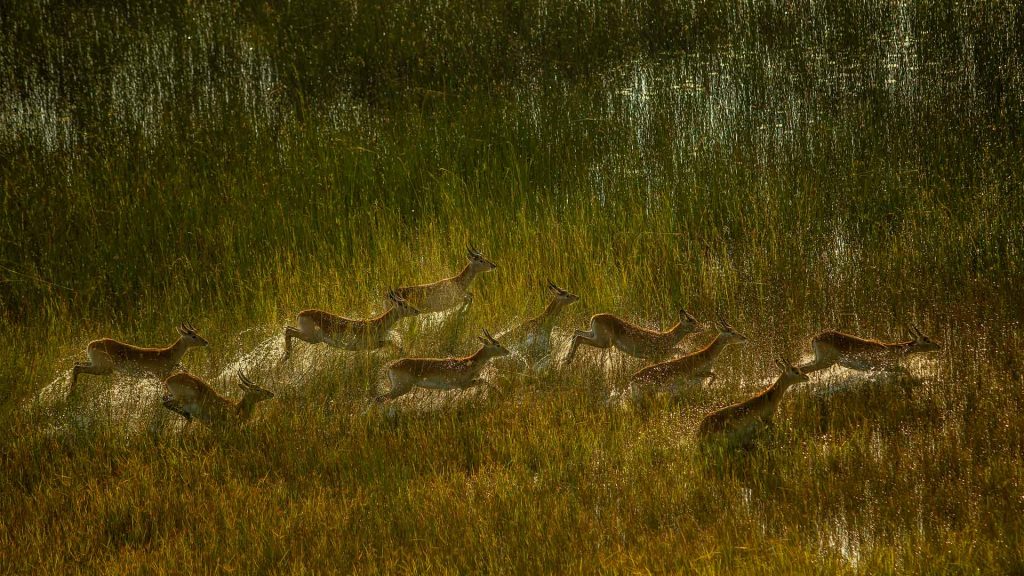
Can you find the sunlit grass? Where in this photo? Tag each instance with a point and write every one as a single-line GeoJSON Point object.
{"type": "Point", "coordinates": [851, 165]}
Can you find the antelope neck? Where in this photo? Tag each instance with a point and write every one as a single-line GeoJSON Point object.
{"type": "Point", "coordinates": [715, 348]}
{"type": "Point", "coordinates": [551, 311]}
{"type": "Point", "coordinates": [466, 276]}
{"type": "Point", "coordinates": [388, 319]}
{"type": "Point", "coordinates": [178, 349]}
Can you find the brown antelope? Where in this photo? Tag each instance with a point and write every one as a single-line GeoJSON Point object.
{"type": "Point", "coordinates": [532, 338]}
{"type": "Point", "coordinates": [193, 398]}
{"type": "Point", "coordinates": [607, 330]}
{"type": "Point", "coordinates": [450, 292]}
{"type": "Point", "coordinates": [107, 355]}
{"type": "Point", "coordinates": [442, 373]}
{"type": "Point", "coordinates": [697, 365]}
{"type": "Point", "coordinates": [863, 354]}
{"type": "Point", "coordinates": [316, 326]}
{"type": "Point", "coordinates": [753, 411]}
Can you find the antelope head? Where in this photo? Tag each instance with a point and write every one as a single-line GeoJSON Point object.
{"type": "Point", "coordinates": [189, 335]}
{"type": "Point", "coordinates": [790, 373]}
{"type": "Point", "coordinates": [564, 297]}
{"type": "Point", "coordinates": [727, 333]}
{"type": "Point", "coordinates": [921, 343]}
{"type": "Point", "coordinates": [492, 348]}
{"type": "Point", "coordinates": [253, 393]}
{"type": "Point", "coordinates": [478, 261]}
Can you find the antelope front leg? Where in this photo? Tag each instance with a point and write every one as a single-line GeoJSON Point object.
{"type": "Point", "coordinates": [399, 387]}
{"type": "Point", "coordinates": [171, 404]}
{"type": "Point", "coordinates": [588, 338]}
{"type": "Point", "coordinates": [95, 367]}
{"type": "Point", "coordinates": [291, 332]}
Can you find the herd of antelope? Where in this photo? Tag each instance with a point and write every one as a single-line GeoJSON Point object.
{"type": "Point", "coordinates": [193, 398]}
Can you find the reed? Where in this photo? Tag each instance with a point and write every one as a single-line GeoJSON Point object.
{"type": "Point", "coordinates": [801, 167]}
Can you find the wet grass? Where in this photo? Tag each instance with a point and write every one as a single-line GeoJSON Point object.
{"type": "Point", "coordinates": [846, 165]}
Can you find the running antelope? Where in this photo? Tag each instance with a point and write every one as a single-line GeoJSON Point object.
{"type": "Point", "coordinates": [316, 326]}
{"type": "Point", "coordinates": [754, 411]}
{"type": "Point", "coordinates": [442, 373]}
{"type": "Point", "coordinates": [607, 330]}
{"type": "Point", "coordinates": [450, 292]}
{"type": "Point", "coordinates": [863, 354]}
{"type": "Point", "coordinates": [697, 365]}
{"type": "Point", "coordinates": [193, 398]}
{"type": "Point", "coordinates": [107, 355]}
{"type": "Point", "coordinates": [532, 339]}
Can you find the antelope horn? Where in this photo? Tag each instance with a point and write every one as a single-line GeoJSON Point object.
{"type": "Point", "coordinates": [190, 327]}
{"type": "Point", "coordinates": [722, 321]}
{"type": "Point", "coordinates": [246, 383]}
{"type": "Point", "coordinates": [488, 335]}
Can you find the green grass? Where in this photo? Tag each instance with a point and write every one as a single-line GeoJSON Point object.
{"type": "Point", "coordinates": [821, 165]}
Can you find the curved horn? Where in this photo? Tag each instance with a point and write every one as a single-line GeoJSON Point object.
{"type": "Point", "coordinates": [722, 321]}
{"type": "Point", "coordinates": [473, 251]}
{"type": "Point", "coordinates": [488, 335]}
{"type": "Point", "coordinates": [917, 330]}
{"type": "Point", "coordinates": [554, 287]}
{"type": "Point", "coordinates": [244, 381]}
{"type": "Point", "coordinates": [190, 327]}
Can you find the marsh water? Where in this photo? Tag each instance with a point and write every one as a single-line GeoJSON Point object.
{"type": "Point", "coordinates": [795, 166]}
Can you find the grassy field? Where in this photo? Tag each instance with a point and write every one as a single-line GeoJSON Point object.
{"type": "Point", "coordinates": [796, 165]}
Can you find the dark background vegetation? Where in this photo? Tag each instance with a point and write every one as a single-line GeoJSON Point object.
{"type": "Point", "coordinates": [799, 165]}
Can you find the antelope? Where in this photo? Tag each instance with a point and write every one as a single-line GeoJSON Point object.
{"type": "Point", "coordinates": [697, 365]}
{"type": "Point", "coordinates": [442, 373]}
{"type": "Point", "coordinates": [450, 292]}
{"type": "Point", "coordinates": [753, 411]}
{"type": "Point", "coordinates": [607, 330]}
{"type": "Point", "coordinates": [193, 398]}
{"type": "Point", "coordinates": [316, 326]}
{"type": "Point", "coordinates": [533, 337]}
{"type": "Point", "coordinates": [107, 355]}
{"type": "Point", "coordinates": [862, 354]}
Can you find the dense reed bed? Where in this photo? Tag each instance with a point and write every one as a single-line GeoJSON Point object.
{"type": "Point", "coordinates": [797, 166]}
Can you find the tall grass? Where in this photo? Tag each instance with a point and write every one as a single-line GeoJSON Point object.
{"type": "Point", "coordinates": [849, 165]}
